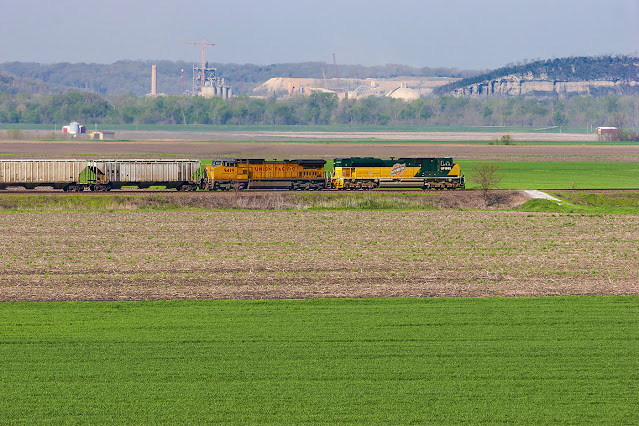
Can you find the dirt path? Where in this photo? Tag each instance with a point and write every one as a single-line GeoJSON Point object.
{"type": "Point", "coordinates": [540, 194]}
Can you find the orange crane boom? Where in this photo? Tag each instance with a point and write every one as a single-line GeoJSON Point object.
{"type": "Point", "coordinates": [203, 43]}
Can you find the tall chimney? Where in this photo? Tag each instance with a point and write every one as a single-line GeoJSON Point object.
{"type": "Point", "coordinates": [154, 80]}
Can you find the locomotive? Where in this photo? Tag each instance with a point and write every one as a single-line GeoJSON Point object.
{"type": "Point", "coordinates": [251, 173]}
{"type": "Point", "coordinates": [352, 173]}
{"type": "Point", "coordinates": [370, 173]}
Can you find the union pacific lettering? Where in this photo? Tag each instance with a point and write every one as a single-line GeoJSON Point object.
{"type": "Point", "coordinates": [276, 168]}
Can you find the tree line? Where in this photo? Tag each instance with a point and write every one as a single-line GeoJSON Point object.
{"type": "Point", "coordinates": [319, 109]}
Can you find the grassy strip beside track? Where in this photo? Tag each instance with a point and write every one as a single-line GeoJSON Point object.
{"type": "Point", "coordinates": [94, 202]}
{"type": "Point", "coordinates": [591, 203]}
{"type": "Point", "coordinates": [492, 360]}
{"type": "Point", "coordinates": [587, 203]}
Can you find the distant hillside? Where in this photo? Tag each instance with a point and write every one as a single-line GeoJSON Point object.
{"type": "Point", "coordinates": [135, 76]}
{"type": "Point", "coordinates": [13, 85]}
{"type": "Point", "coordinates": [596, 76]}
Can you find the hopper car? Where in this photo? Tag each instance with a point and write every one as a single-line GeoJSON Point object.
{"type": "Point", "coordinates": [183, 175]}
{"type": "Point", "coordinates": [100, 175]}
{"type": "Point", "coordinates": [30, 174]}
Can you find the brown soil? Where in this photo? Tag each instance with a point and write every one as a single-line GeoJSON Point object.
{"type": "Point", "coordinates": [293, 254]}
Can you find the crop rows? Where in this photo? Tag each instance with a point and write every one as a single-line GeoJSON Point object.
{"type": "Point", "coordinates": [227, 254]}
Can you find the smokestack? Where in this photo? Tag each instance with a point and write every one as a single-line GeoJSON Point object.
{"type": "Point", "coordinates": [154, 80]}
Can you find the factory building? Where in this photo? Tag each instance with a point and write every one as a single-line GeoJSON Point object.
{"type": "Point", "coordinates": [213, 85]}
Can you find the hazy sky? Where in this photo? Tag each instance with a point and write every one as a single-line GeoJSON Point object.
{"type": "Point", "coordinates": [455, 33]}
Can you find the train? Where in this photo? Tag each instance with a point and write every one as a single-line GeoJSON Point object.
{"type": "Point", "coordinates": [351, 173]}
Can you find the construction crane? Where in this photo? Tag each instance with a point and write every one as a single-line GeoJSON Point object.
{"type": "Point", "coordinates": [203, 43]}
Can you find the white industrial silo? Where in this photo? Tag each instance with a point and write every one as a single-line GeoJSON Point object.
{"type": "Point", "coordinates": [74, 128]}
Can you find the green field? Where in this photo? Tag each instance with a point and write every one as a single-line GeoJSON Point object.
{"type": "Point", "coordinates": [541, 360]}
{"type": "Point", "coordinates": [305, 128]}
{"type": "Point", "coordinates": [560, 174]}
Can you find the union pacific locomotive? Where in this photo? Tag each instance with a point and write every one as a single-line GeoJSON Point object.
{"type": "Point", "coordinates": [236, 174]}
{"type": "Point", "coordinates": [251, 173]}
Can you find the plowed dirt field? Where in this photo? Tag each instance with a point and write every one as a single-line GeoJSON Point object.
{"type": "Point", "coordinates": [293, 254]}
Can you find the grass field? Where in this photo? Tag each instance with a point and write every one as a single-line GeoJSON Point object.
{"type": "Point", "coordinates": [309, 128]}
{"type": "Point", "coordinates": [528, 361]}
{"type": "Point", "coordinates": [560, 174]}
{"type": "Point", "coordinates": [587, 203]}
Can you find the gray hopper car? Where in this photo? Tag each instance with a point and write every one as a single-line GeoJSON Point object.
{"type": "Point", "coordinates": [59, 174]}
{"type": "Point", "coordinates": [183, 175]}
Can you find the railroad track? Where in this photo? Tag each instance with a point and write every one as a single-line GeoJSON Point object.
{"type": "Point", "coordinates": [258, 191]}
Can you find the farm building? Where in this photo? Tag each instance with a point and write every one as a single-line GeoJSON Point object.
{"type": "Point", "coordinates": [102, 135]}
{"type": "Point", "coordinates": [606, 130]}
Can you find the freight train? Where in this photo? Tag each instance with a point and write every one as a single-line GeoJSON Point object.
{"type": "Point", "coordinates": [353, 173]}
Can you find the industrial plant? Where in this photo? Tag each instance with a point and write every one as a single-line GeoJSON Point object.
{"type": "Point", "coordinates": [206, 82]}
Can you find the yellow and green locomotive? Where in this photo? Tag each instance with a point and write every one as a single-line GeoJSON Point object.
{"type": "Point", "coordinates": [370, 173]}
{"type": "Point", "coordinates": [254, 173]}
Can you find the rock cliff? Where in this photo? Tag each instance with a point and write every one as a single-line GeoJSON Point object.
{"type": "Point", "coordinates": [519, 85]}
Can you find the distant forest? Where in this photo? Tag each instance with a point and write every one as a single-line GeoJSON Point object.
{"type": "Point", "coordinates": [318, 109]}
{"type": "Point", "coordinates": [580, 68]}
{"type": "Point", "coordinates": [37, 94]}
{"type": "Point", "coordinates": [134, 77]}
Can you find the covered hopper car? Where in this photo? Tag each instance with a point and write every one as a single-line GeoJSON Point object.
{"type": "Point", "coordinates": [183, 175]}
{"type": "Point", "coordinates": [100, 175]}
{"type": "Point", "coordinates": [30, 174]}
{"type": "Point", "coordinates": [370, 173]}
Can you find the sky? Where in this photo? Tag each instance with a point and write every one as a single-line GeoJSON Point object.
{"type": "Point", "coordinates": [463, 34]}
